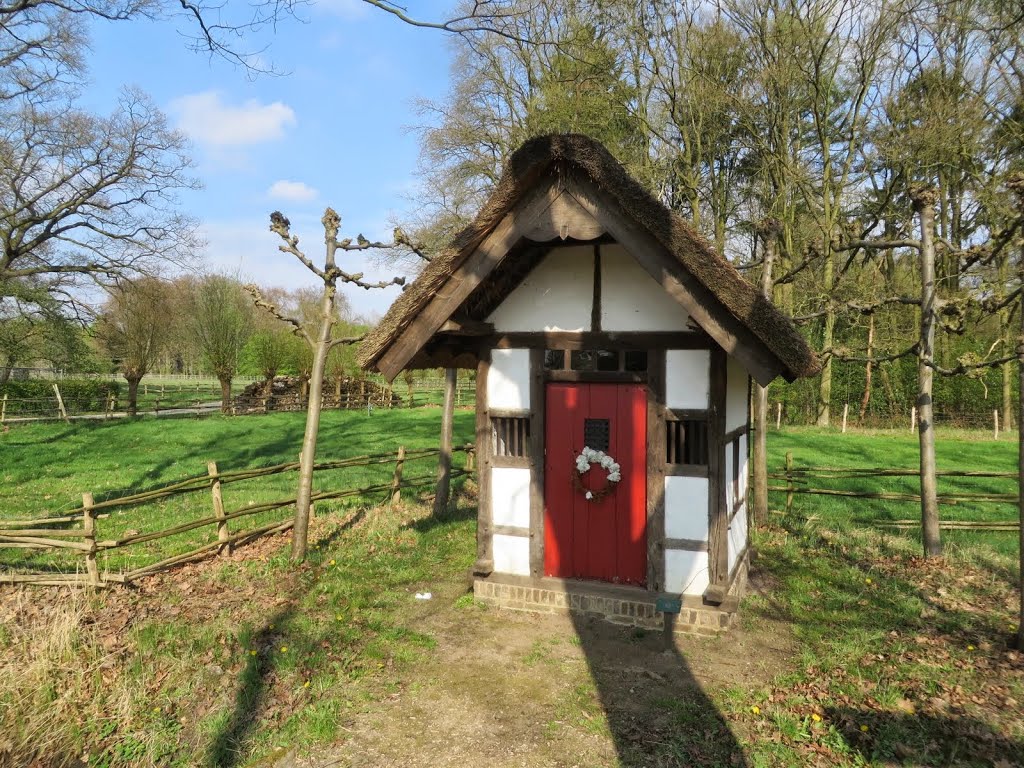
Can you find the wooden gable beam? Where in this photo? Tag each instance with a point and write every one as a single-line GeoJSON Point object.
{"type": "Point", "coordinates": [467, 276]}
{"type": "Point", "coordinates": [728, 332]}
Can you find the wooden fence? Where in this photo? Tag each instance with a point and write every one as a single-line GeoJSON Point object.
{"type": "Point", "coordinates": [798, 481]}
{"type": "Point", "coordinates": [78, 531]}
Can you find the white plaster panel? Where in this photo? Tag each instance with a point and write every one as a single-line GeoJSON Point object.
{"type": "Point", "coordinates": [737, 395]}
{"type": "Point", "coordinates": [686, 572]}
{"type": "Point", "coordinates": [510, 496]}
{"type": "Point", "coordinates": [737, 538]}
{"type": "Point", "coordinates": [511, 554]}
{"type": "Point", "coordinates": [687, 378]}
{"type": "Point", "coordinates": [508, 380]}
{"type": "Point", "coordinates": [744, 466]}
{"type": "Point", "coordinates": [730, 489]}
{"type": "Point", "coordinates": [557, 295]}
{"type": "Point", "coordinates": [686, 508]}
{"type": "Point", "coordinates": [632, 300]}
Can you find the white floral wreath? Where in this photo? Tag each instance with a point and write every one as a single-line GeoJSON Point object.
{"type": "Point", "coordinates": [585, 460]}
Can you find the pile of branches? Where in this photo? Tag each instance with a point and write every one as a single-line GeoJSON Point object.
{"type": "Point", "coordinates": [289, 393]}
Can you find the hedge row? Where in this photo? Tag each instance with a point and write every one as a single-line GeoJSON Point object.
{"type": "Point", "coordinates": [35, 396]}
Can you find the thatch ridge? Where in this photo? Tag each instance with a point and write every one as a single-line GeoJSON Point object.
{"type": "Point", "coordinates": [581, 154]}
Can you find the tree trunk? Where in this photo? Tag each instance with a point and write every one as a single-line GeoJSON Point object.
{"type": "Point", "coordinates": [770, 232]}
{"type": "Point", "coordinates": [1020, 458]}
{"type": "Point", "coordinates": [868, 369]}
{"type": "Point", "coordinates": [924, 202]}
{"type": "Point", "coordinates": [444, 461]}
{"type": "Point", "coordinates": [133, 395]}
{"type": "Point", "coordinates": [5, 371]}
{"type": "Point", "coordinates": [1007, 415]}
{"type": "Point", "coordinates": [225, 394]}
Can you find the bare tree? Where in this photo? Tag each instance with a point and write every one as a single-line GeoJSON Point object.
{"type": "Point", "coordinates": [320, 340]}
{"type": "Point", "coordinates": [90, 198]}
{"type": "Point", "coordinates": [221, 322]}
{"type": "Point", "coordinates": [133, 328]}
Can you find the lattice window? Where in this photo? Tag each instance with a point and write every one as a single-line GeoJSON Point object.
{"type": "Point", "coordinates": [510, 436]}
{"type": "Point", "coordinates": [686, 441]}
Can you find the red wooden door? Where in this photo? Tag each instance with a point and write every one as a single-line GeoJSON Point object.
{"type": "Point", "coordinates": [589, 539]}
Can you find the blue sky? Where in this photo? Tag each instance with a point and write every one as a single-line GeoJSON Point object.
{"type": "Point", "coordinates": [334, 130]}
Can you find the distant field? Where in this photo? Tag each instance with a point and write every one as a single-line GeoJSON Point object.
{"type": "Point", "coordinates": [955, 450]}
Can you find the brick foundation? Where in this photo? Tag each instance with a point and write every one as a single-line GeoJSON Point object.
{"type": "Point", "coordinates": [619, 605]}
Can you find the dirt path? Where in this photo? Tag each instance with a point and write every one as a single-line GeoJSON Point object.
{"type": "Point", "coordinates": [506, 689]}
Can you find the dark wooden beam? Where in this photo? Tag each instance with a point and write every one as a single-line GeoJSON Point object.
{"type": "Point", "coordinates": [537, 439]}
{"type": "Point", "coordinates": [656, 470]}
{"type": "Point", "coordinates": [718, 512]}
{"type": "Point", "coordinates": [602, 340]}
{"type": "Point", "coordinates": [466, 327]}
{"type": "Point", "coordinates": [595, 307]}
{"type": "Point", "coordinates": [485, 518]}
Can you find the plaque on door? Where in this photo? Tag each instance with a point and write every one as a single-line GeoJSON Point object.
{"type": "Point", "coordinates": [596, 434]}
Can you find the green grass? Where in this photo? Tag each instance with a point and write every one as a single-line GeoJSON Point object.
{"type": "Point", "coordinates": [45, 468]}
{"type": "Point", "coordinates": [955, 450]}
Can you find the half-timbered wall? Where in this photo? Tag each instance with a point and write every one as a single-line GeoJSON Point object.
{"type": "Point", "coordinates": [631, 300]}
{"type": "Point", "coordinates": [508, 381]}
{"type": "Point", "coordinates": [557, 295]}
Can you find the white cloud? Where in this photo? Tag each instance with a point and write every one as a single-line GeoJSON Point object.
{"type": "Point", "coordinates": [210, 121]}
{"type": "Point", "coordinates": [294, 191]}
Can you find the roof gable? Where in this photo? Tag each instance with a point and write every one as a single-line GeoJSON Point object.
{"type": "Point", "coordinates": [570, 186]}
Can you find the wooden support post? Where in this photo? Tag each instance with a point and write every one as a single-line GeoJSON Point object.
{"type": "Point", "coordinates": [846, 412]}
{"type": "Point", "coordinates": [3, 409]}
{"type": "Point", "coordinates": [218, 507]}
{"type": "Point", "coordinates": [718, 521]}
{"type": "Point", "coordinates": [60, 403]}
{"type": "Point", "coordinates": [89, 534]}
{"type": "Point", "coordinates": [778, 415]}
{"type": "Point", "coordinates": [396, 481]}
{"type": "Point", "coordinates": [789, 483]}
{"type": "Point", "coordinates": [484, 564]}
{"type": "Point", "coordinates": [444, 459]}
{"type": "Point", "coordinates": [913, 417]}
{"type": "Point", "coordinates": [995, 424]}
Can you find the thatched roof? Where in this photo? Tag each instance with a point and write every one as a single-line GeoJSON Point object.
{"type": "Point", "coordinates": [547, 156]}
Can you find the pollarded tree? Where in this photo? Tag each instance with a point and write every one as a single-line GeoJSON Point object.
{"type": "Point", "coordinates": [319, 338]}
{"type": "Point", "coordinates": [221, 322]}
{"type": "Point", "coordinates": [133, 328]}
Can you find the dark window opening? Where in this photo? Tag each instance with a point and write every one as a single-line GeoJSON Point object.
{"type": "Point", "coordinates": [510, 436]}
{"type": "Point", "coordinates": [686, 442]}
{"type": "Point", "coordinates": [554, 359]}
{"type": "Point", "coordinates": [606, 359]}
{"type": "Point", "coordinates": [597, 434]}
{"type": "Point", "coordinates": [635, 360]}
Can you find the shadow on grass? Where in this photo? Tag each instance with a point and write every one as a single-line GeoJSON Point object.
{"type": "Point", "coordinates": [920, 740]}
{"type": "Point", "coordinates": [227, 747]}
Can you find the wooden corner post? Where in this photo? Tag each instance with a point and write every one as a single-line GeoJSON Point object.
{"type": "Point", "coordinates": [485, 523]}
{"type": "Point", "coordinates": [718, 522]}
{"type": "Point", "coordinates": [536, 452]}
{"type": "Point", "coordinates": [656, 458]}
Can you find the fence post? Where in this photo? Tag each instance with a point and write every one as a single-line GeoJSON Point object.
{"type": "Point", "coordinates": [913, 417]}
{"type": "Point", "coordinates": [470, 458]}
{"type": "Point", "coordinates": [789, 483]}
{"type": "Point", "coordinates": [89, 529]}
{"type": "Point", "coordinates": [995, 419]}
{"type": "Point", "coordinates": [778, 415]}
{"type": "Point", "coordinates": [218, 507]}
{"type": "Point", "coordinates": [846, 412]}
{"type": "Point", "coordinates": [396, 482]}
{"type": "Point", "coordinates": [110, 405]}
{"type": "Point", "coordinates": [3, 409]}
{"type": "Point", "coordinates": [60, 403]}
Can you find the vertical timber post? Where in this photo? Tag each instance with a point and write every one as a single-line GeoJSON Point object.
{"type": "Point", "coordinates": [789, 483]}
{"type": "Point", "coordinates": [89, 531]}
{"type": "Point", "coordinates": [444, 459]}
{"type": "Point", "coordinates": [218, 507]}
{"type": "Point", "coordinates": [396, 481]}
{"type": "Point", "coordinates": [485, 524]}
{"type": "Point", "coordinates": [846, 412]}
{"type": "Point", "coordinates": [60, 403]}
{"type": "Point", "coordinates": [3, 409]}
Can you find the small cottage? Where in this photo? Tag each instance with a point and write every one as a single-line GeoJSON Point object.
{"type": "Point", "coordinates": [614, 351]}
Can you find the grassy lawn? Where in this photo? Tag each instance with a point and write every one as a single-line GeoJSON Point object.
{"type": "Point", "coordinates": [45, 468]}
{"type": "Point", "coordinates": [851, 650]}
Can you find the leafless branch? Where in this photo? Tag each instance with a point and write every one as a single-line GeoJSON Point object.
{"type": "Point", "coordinates": [263, 303]}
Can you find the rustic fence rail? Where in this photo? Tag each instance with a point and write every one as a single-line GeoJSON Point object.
{"type": "Point", "coordinates": [85, 541]}
{"type": "Point", "coordinates": [798, 481]}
